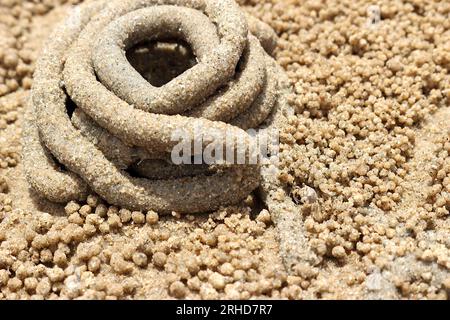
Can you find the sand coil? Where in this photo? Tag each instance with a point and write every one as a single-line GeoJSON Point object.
{"type": "Point", "coordinates": [122, 122]}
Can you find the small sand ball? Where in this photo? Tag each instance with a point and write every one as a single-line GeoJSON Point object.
{"type": "Point", "coordinates": [192, 265]}
{"type": "Point", "coordinates": [76, 218]}
{"type": "Point", "coordinates": [85, 210]}
{"type": "Point", "coordinates": [152, 217]}
{"type": "Point", "coordinates": [11, 60]}
{"type": "Point", "coordinates": [210, 239]}
{"type": "Point", "coordinates": [114, 221]}
{"type": "Point", "coordinates": [394, 64]}
{"type": "Point", "coordinates": [56, 274]}
{"type": "Point", "coordinates": [194, 283]}
{"type": "Point", "coordinates": [115, 289]}
{"type": "Point", "coordinates": [217, 281]}
{"type": "Point", "coordinates": [104, 228]}
{"type": "Point", "coordinates": [178, 290]}
{"type": "Point", "coordinates": [72, 286]}
{"type": "Point", "coordinates": [30, 284]}
{"type": "Point", "coordinates": [72, 207]}
{"type": "Point", "coordinates": [447, 284]}
{"type": "Point", "coordinates": [119, 265]}
{"type": "Point", "coordinates": [60, 258]}
{"type": "Point", "coordinates": [85, 251]}
{"type": "Point", "coordinates": [338, 252]}
{"type": "Point", "coordinates": [159, 259]}
{"type": "Point", "coordinates": [14, 284]}
{"type": "Point", "coordinates": [101, 210]}
{"type": "Point", "coordinates": [94, 264]}
{"type": "Point", "coordinates": [125, 215]}
{"type": "Point", "coordinates": [40, 242]}
{"type": "Point", "coordinates": [226, 269]}
{"type": "Point", "coordinates": [46, 256]}
{"type": "Point", "coordinates": [4, 276]}
{"type": "Point", "coordinates": [138, 217]}
{"type": "Point", "coordinates": [140, 259]}
{"type": "Point", "coordinates": [93, 219]}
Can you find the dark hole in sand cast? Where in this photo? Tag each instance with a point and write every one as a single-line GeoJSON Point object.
{"type": "Point", "coordinates": [70, 105]}
{"type": "Point", "coordinates": [161, 61]}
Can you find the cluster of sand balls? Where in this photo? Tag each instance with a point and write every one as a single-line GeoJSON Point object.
{"type": "Point", "coordinates": [14, 60]}
{"type": "Point", "coordinates": [439, 193]}
{"type": "Point", "coordinates": [234, 81]}
{"type": "Point", "coordinates": [434, 212]}
{"type": "Point", "coordinates": [17, 58]}
{"type": "Point", "coordinates": [360, 90]}
{"type": "Point", "coordinates": [85, 255]}
{"type": "Point", "coordinates": [361, 97]}
{"type": "Point", "coordinates": [38, 258]}
{"type": "Point", "coordinates": [17, 54]}
{"type": "Point", "coordinates": [9, 114]}
{"type": "Point", "coordinates": [20, 41]}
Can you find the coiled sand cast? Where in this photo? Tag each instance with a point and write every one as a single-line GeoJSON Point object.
{"type": "Point", "coordinates": [124, 124]}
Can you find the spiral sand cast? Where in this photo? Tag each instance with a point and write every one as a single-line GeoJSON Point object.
{"type": "Point", "coordinates": [122, 122]}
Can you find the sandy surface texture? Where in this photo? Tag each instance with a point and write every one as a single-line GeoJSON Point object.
{"type": "Point", "coordinates": [365, 170]}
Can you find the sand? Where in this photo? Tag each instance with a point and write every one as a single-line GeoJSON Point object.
{"type": "Point", "coordinates": [365, 175]}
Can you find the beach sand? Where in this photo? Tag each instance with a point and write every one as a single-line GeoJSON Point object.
{"type": "Point", "coordinates": [365, 159]}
